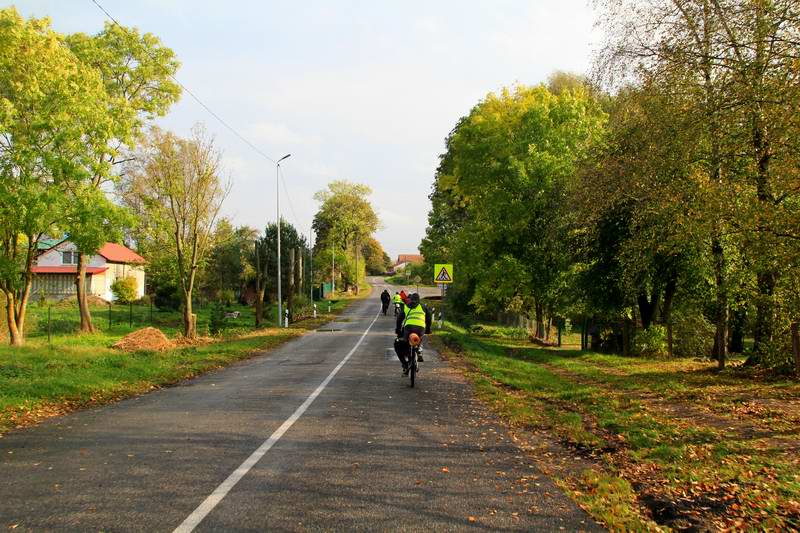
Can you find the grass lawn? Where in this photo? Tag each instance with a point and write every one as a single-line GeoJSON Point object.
{"type": "Point", "coordinates": [44, 378]}
{"type": "Point", "coordinates": [647, 444]}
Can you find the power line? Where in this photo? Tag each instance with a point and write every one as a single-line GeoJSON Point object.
{"type": "Point", "coordinates": [196, 99]}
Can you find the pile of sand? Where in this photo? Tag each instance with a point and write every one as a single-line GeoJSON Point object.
{"type": "Point", "coordinates": [144, 339]}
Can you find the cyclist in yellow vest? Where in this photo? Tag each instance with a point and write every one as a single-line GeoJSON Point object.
{"type": "Point", "coordinates": [397, 300]}
{"type": "Point", "coordinates": [413, 318]}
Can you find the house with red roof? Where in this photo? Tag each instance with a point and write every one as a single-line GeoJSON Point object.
{"type": "Point", "coordinates": [57, 264]}
{"type": "Point", "coordinates": [403, 260]}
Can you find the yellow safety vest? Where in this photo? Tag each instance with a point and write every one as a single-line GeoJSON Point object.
{"type": "Point", "coordinates": [414, 316]}
{"type": "Point", "coordinates": [396, 299]}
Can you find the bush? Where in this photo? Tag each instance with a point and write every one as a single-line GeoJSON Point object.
{"type": "Point", "coordinates": [693, 335]}
{"type": "Point", "coordinates": [651, 342]}
{"type": "Point", "coordinates": [124, 289]}
{"type": "Point", "coordinates": [227, 297]}
{"type": "Point", "coordinates": [216, 321]}
{"type": "Point", "coordinates": [167, 297]}
{"type": "Point", "coordinates": [777, 353]}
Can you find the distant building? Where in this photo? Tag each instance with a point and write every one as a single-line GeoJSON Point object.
{"type": "Point", "coordinates": [57, 264]}
{"type": "Point", "coordinates": [403, 260]}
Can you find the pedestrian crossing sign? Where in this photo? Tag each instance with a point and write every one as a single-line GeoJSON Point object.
{"type": "Point", "coordinates": [443, 273]}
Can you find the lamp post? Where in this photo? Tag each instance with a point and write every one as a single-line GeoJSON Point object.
{"type": "Point", "coordinates": [310, 269]}
{"type": "Point", "coordinates": [278, 200]}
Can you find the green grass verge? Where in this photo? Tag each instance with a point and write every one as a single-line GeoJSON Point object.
{"type": "Point", "coordinates": [621, 413]}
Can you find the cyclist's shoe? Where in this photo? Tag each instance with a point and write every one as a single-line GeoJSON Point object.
{"type": "Point", "coordinates": [419, 357]}
{"type": "Point", "coordinates": [405, 369]}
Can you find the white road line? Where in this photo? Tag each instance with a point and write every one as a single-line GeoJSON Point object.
{"type": "Point", "coordinates": [197, 516]}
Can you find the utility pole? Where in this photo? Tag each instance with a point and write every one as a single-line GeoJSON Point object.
{"type": "Point", "coordinates": [310, 269]}
{"type": "Point", "coordinates": [278, 200]}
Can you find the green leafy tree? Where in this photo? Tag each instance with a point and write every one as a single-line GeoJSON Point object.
{"type": "Point", "coordinates": [376, 261]}
{"type": "Point", "coordinates": [48, 106]}
{"type": "Point", "coordinates": [177, 181]}
{"type": "Point", "coordinates": [498, 190]}
{"type": "Point", "coordinates": [137, 73]}
{"type": "Point", "coordinates": [228, 268]}
{"type": "Point", "coordinates": [345, 220]}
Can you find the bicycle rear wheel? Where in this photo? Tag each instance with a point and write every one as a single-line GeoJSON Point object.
{"type": "Point", "coordinates": [413, 366]}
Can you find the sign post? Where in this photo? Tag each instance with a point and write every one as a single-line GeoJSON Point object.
{"type": "Point", "coordinates": [443, 273]}
{"type": "Point", "coordinates": [442, 276]}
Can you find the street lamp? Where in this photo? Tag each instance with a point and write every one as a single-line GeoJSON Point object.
{"type": "Point", "coordinates": [278, 200]}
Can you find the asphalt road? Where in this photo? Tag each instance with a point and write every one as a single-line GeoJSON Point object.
{"type": "Point", "coordinates": [366, 453]}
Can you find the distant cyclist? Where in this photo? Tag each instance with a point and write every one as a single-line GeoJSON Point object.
{"type": "Point", "coordinates": [398, 302]}
{"type": "Point", "coordinates": [413, 318]}
{"type": "Point", "coordinates": [386, 298]}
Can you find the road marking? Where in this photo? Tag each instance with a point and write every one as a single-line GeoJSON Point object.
{"type": "Point", "coordinates": [197, 516]}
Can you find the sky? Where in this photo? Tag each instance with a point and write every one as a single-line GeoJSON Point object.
{"type": "Point", "coordinates": [365, 91]}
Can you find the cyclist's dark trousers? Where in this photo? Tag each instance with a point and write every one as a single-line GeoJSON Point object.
{"type": "Point", "coordinates": [384, 307]}
{"type": "Point", "coordinates": [402, 347]}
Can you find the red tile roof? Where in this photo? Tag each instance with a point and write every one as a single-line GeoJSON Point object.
{"type": "Point", "coordinates": [409, 258]}
{"type": "Point", "coordinates": [66, 269]}
{"type": "Point", "coordinates": [120, 254]}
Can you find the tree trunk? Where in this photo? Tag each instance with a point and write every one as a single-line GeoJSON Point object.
{"type": "Point", "coordinates": [259, 307]}
{"type": "Point", "coordinates": [15, 337]}
{"type": "Point", "coordinates": [356, 243]}
{"type": "Point", "coordinates": [738, 321]}
{"type": "Point", "coordinates": [80, 291]}
{"type": "Point", "coordinates": [796, 346]}
{"type": "Point", "coordinates": [298, 280]}
{"type": "Point", "coordinates": [539, 321]}
{"type": "Point", "coordinates": [765, 313]}
{"type": "Point", "coordinates": [291, 276]}
{"type": "Point", "coordinates": [666, 309]}
{"type": "Point", "coordinates": [721, 306]}
{"type": "Point", "coordinates": [647, 308]}
{"type": "Point", "coordinates": [585, 334]}
{"type": "Point", "coordinates": [670, 343]}
{"type": "Point", "coordinates": [189, 323]}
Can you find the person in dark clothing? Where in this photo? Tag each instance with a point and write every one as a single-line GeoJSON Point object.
{"type": "Point", "coordinates": [413, 318]}
{"type": "Point", "coordinates": [386, 298]}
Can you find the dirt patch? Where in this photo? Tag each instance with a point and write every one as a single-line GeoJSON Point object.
{"type": "Point", "coordinates": [95, 300]}
{"type": "Point", "coordinates": [151, 339]}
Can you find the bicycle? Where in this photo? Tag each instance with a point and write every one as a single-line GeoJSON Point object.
{"type": "Point", "coordinates": [413, 366]}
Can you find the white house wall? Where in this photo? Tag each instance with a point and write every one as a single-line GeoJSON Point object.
{"type": "Point", "coordinates": [53, 257]}
{"type": "Point", "coordinates": [120, 271]}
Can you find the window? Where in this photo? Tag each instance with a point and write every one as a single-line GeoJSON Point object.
{"type": "Point", "coordinates": [69, 258]}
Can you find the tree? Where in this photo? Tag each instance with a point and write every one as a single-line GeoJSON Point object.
{"type": "Point", "coordinates": [229, 268]}
{"type": "Point", "coordinates": [178, 183]}
{"type": "Point", "coordinates": [47, 107]}
{"type": "Point", "coordinates": [498, 191]}
{"type": "Point", "coordinates": [376, 261]}
{"type": "Point", "coordinates": [137, 73]}
{"type": "Point", "coordinates": [733, 61]}
{"type": "Point", "coordinates": [345, 219]}
{"type": "Point", "coordinates": [291, 239]}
